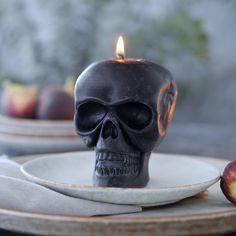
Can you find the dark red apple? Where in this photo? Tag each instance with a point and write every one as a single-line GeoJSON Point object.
{"type": "Point", "coordinates": [19, 101]}
{"type": "Point", "coordinates": [228, 182]}
{"type": "Point", "coordinates": [55, 104]}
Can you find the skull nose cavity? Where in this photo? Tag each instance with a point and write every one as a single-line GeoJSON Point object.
{"type": "Point", "coordinates": [109, 130]}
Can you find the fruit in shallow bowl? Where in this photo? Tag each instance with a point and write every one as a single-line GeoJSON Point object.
{"type": "Point", "coordinates": [70, 85]}
{"type": "Point", "coordinates": [55, 104]}
{"type": "Point", "coordinates": [19, 101]}
{"type": "Point", "coordinates": [228, 182]}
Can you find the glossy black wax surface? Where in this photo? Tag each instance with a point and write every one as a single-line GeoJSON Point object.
{"type": "Point", "coordinates": [122, 79]}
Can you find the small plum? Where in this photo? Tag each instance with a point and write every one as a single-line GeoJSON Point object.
{"type": "Point", "coordinates": [19, 101]}
{"type": "Point", "coordinates": [228, 182]}
{"type": "Point", "coordinates": [55, 104]}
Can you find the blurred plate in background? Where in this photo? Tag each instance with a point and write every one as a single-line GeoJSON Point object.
{"type": "Point", "coordinates": [32, 127]}
{"type": "Point", "coordinates": [25, 136]}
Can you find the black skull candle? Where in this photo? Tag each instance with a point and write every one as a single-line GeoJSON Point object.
{"type": "Point", "coordinates": [123, 108]}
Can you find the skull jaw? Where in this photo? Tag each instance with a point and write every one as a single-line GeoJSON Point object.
{"type": "Point", "coordinates": [127, 174]}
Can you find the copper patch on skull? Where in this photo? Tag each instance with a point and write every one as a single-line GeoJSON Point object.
{"type": "Point", "coordinates": [166, 103]}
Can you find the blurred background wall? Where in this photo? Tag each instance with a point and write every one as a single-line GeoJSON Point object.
{"type": "Point", "coordinates": [43, 41]}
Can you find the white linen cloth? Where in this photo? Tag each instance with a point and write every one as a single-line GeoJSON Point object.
{"type": "Point", "coordinates": [17, 193]}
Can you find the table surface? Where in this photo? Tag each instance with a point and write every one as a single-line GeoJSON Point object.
{"type": "Point", "coordinates": [204, 214]}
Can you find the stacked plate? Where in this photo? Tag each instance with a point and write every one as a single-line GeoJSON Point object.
{"type": "Point", "coordinates": [25, 136]}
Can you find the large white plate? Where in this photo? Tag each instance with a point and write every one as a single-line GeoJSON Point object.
{"type": "Point", "coordinates": [172, 178]}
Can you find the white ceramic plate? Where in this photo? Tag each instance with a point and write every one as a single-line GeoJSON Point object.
{"type": "Point", "coordinates": [18, 145]}
{"type": "Point", "coordinates": [172, 178]}
{"type": "Point", "coordinates": [33, 127]}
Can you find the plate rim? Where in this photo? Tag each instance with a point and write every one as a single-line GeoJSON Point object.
{"type": "Point", "coordinates": [180, 223]}
{"type": "Point", "coordinates": [111, 218]}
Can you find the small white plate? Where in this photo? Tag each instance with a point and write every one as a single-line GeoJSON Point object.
{"type": "Point", "coordinates": [172, 178]}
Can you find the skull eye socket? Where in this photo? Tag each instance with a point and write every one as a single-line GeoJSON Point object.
{"type": "Point", "coordinates": [89, 115]}
{"type": "Point", "coordinates": [136, 115]}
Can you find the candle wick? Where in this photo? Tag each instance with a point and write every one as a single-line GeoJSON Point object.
{"type": "Point", "coordinates": [120, 56]}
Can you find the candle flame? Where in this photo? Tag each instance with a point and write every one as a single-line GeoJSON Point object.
{"type": "Point", "coordinates": [120, 51]}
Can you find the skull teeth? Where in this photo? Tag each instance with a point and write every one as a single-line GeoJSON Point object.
{"type": "Point", "coordinates": [113, 164]}
{"type": "Point", "coordinates": [114, 157]}
{"type": "Point", "coordinates": [110, 171]}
